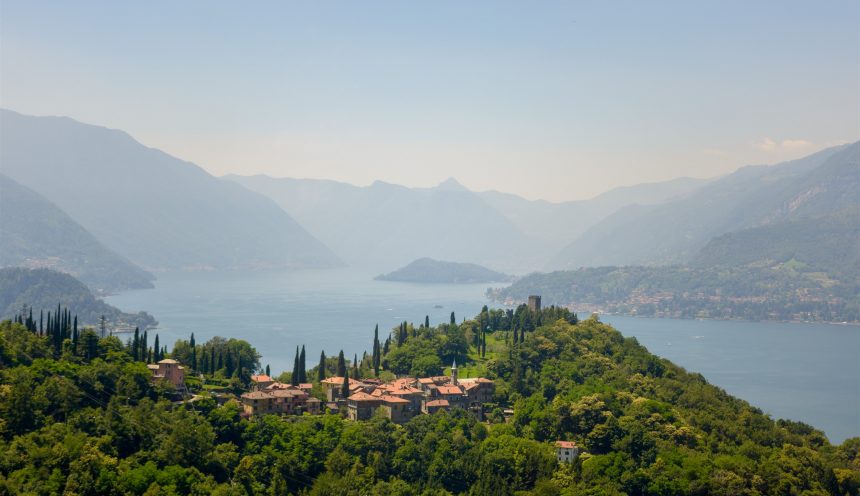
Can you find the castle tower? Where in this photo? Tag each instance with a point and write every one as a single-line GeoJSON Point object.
{"type": "Point", "coordinates": [534, 303]}
{"type": "Point", "coordinates": [454, 373]}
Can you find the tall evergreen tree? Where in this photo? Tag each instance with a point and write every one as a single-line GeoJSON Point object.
{"type": "Point", "coordinates": [453, 319]}
{"type": "Point", "coordinates": [355, 373]}
{"type": "Point", "coordinates": [386, 347]}
{"type": "Point", "coordinates": [294, 377]}
{"type": "Point", "coordinates": [321, 368]}
{"type": "Point", "coordinates": [156, 357]}
{"type": "Point", "coordinates": [341, 364]}
{"type": "Point", "coordinates": [193, 345]}
{"type": "Point", "coordinates": [427, 322]}
{"type": "Point", "coordinates": [344, 388]}
{"type": "Point", "coordinates": [268, 370]}
{"type": "Point", "coordinates": [303, 371]}
{"type": "Point", "coordinates": [135, 345]}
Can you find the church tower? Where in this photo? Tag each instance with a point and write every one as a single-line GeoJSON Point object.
{"type": "Point", "coordinates": [454, 373]}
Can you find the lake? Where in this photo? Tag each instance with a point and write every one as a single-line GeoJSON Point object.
{"type": "Point", "coordinates": [805, 372]}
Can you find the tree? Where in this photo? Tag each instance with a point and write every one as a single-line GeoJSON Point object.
{"type": "Point", "coordinates": [156, 357]}
{"type": "Point", "coordinates": [193, 353]}
{"type": "Point", "coordinates": [303, 372]}
{"type": "Point", "coordinates": [294, 377]}
{"type": "Point", "coordinates": [427, 322]}
{"type": "Point", "coordinates": [321, 368]}
{"type": "Point", "coordinates": [341, 364]}
{"type": "Point", "coordinates": [268, 370]}
{"type": "Point", "coordinates": [453, 319]}
{"type": "Point", "coordinates": [344, 388]}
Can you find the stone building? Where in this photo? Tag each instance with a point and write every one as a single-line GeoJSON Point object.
{"type": "Point", "coordinates": [534, 303]}
{"type": "Point", "coordinates": [566, 451]}
{"type": "Point", "coordinates": [168, 370]}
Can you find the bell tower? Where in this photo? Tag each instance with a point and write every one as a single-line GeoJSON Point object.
{"type": "Point", "coordinates": [454, 373]}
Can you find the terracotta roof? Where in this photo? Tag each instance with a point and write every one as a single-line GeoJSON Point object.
{"type": "Point", "coordinates": [152, 366]}
{"type": "Point", "coordinates": [394, 399]}
{"type": "Point", "coordinates": [279, 385]}
{"type": "Point", "coordinates": [450, 390]}
{"type": "Point", "coordinates": [286, 393]}
{"type": "Point", "coordinates": [306, 385]}
{"type": "Point", "coordinates": [361, 396]}
{"type": "Point", "coordinates": [261, 378]}
{"type": "Point", "coordinates": [425, 380]}
{"type": "Point", "coordinates": [336, 380]}
{"type": "Point", "coordinates": [256, 395]}
{"type": "Point", "coordinates": [565, 444]}
{"type": "Point", "coordinates": [168, 360]}
{"type": "Point", "coordinates": [438, 403]}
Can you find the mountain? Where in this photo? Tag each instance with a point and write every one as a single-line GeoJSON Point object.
{"type": "Point", "coordinates": [427, 270]}
{"type": "Point", "coordinates": [158, 211]}
{"type": "Point", "coordinates": [673, 232]}
{"type": "Point", "coordinates": [559, 224]}
{"type": "Point", "coordinates": [36, 233]}
{"type": "Point", "coordinates": [44, 289]}
{"type": "Point", "coordinates": [385, 224]}
{"type": "Point", "coordinates": [829, 243]}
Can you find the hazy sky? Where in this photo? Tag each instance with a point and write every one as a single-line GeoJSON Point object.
{"type": "Point", "coordinates": [554, 100]}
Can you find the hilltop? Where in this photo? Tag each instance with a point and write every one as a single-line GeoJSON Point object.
{"type": "Point", "coordinates": [428, 270]}
{"type": "Point", "coordinates": [34, 232]}
{"type": "Point", "coordinates": [644, 425]}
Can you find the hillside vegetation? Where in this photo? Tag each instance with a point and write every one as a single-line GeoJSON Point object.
{"type": "Point", "coordinates": [92, 422]}
{"type": "Point", "coordinates": [43, 290]}
{"type": "Point", "coordinates": [36, 233]}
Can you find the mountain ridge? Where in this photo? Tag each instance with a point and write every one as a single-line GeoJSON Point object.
{"type": "Point", "coordinates": [159, 211]}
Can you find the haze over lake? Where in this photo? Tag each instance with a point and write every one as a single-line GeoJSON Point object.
{"type": "Point", "coordinates": [805, 372]}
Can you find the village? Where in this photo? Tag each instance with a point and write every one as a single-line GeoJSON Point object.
{"type": "Point", "coordinates": [360, 399]}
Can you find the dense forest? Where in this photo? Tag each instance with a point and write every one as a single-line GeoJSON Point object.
{"type": "Point", "coordinates": [93, 422]}
{"type": "Point", "coordinates": [788, 291]}
{"type": "Point", "coordinates": [40, 290]}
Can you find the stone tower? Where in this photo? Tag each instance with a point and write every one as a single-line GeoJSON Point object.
{"type": "Point", "coordinates": [534, 303]}
{"type": "Point", "coordinates": [454, 373]}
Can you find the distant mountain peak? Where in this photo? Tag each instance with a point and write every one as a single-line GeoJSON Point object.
{"type": "Point", "coordinates": [451, 184]}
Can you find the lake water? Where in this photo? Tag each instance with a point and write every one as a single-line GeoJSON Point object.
{"type": "Point", "coordinates": [806, 372]}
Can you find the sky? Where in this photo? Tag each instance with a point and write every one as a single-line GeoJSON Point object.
{"type": "Point", "coordinates": [551, 100]}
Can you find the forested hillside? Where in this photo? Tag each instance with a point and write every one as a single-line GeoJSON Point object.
{"type": "Point", "coordinates": [92, 422]}
{"type": "Point", "coordinates": [35, 232]}
{"type": "Point", "coordinates": [42, 290]}
{"type": "Point", "coordinates": [785, 290]}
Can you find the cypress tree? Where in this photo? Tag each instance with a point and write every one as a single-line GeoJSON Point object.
{"type": "Point", "coordinates": [212, 362]}
{"type": "Point", "coordinates": [294, 377]}
{"type": "Point", "coordinates": [355, 373]}
{"type": "Point", "coordinates": [135, 344]}
{"type": "Point", "coordinates": [157, 349]}
{"type": "Point", "coordinates": [344, 388]}
{"type": "Point", "coordinates": [41, 321]}
{"type": "Point", "coordinates": [144, 346]}
{"type": "Point", "coordinates": [453, 319]}
{"type": "Point", "coordinates": [387, 346]}
{"type": "Point", "coordinates": [321, 368]}
{"type": "Point", "coordinates": [268, 371]}
{"type": "Point", "coordinates": [193, 345]}
{"type": "Point", "coordinates": [303, 371]}
{"type": "Point", "coordinates": [341, 364]}
{"type": "Point", "coordinates": [427, 322]}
